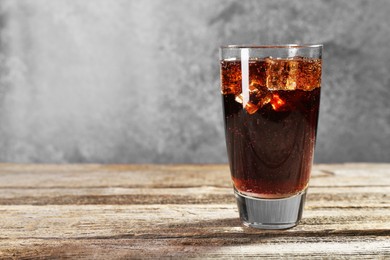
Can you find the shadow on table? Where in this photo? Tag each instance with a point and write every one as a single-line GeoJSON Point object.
{"type": "Point", "coordinates": [224, 231]}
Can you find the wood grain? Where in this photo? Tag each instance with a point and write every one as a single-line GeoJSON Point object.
{"type": "Point", "coordinates": [181, 211]}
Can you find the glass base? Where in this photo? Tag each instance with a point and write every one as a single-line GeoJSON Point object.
{"type": "Point", "coordinates": [270, 213]}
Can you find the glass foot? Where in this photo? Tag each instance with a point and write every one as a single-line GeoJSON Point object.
{"type": "Point", "coordinates": [270, 213]}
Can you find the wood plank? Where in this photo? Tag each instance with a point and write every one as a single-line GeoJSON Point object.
{"type": "Point", "coordinates": [99, 231]}
{"type": "Point", "coordinates": [128, 176]}
{"type": "Point", "coordinates": [159, 221]}
{"type": "Point", "coordinates": [174, 176]}
{"type": "Point", "coordinates": [317, 197]}
{"type": "Point", "coordinates": [345, 247]}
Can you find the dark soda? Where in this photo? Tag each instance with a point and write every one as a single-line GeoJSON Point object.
{"type": "Point", "coordinates": [270, 134]}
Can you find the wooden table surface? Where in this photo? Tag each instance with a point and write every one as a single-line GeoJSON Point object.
{"type": "Point", "coordinates": [181, 211]}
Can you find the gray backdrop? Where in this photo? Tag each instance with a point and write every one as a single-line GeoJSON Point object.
{"type": "Point", "coordinates": [125, 81]}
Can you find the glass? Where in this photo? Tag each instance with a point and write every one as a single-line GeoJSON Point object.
{"type": "Point", "coordinates": [271, 97]}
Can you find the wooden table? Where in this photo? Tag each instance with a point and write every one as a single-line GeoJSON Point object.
{"type": "Point", "coordinates": [181, 211]}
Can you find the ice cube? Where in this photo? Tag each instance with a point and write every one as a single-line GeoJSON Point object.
{"type": "Point", "coordinates": [281, 74]}
{"type": "Point", "coordinates": [257, 75]}
{"type": "Point", "coordinates": [277, 103]}
{"type": "Point", "coordinates": [309, 74]}
{"type": "Point", "coordinates": [252, 105]}
{"type": "Point", "coordinates": [258, 97]}
{"type": "Point", "coordinates": [239, 98]}
{"type": "Point", "coordinates": [230, 77]}
{"type": "Point", "coordinates": [251, 108]}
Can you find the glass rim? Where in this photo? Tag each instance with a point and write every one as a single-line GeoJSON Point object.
{"type": "Point", "coordinates": [276, 46]}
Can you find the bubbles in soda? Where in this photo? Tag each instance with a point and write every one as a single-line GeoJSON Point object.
{"type": "Point", "coordinates": [270, 137]}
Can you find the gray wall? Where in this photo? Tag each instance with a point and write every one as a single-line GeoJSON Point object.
{"type": "Point", "coordinates": [130, 81]}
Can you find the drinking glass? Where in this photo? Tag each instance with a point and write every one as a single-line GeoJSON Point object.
{"type": "Point", "coordinates": [271, 98]}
